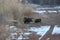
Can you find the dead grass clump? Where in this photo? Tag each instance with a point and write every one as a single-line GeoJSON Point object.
{"type": "Point", "coordinates": [3, 32]}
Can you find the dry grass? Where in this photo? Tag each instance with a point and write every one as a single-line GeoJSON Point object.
{"type": "Point", "coordinates": [3, 32]}
{"type": "Point", "coordinates": [34, 36]}
{"type": "Point", "coordinates": [10, 10]}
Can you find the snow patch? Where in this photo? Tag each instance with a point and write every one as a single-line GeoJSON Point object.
{"type": "Point", "coordinates": [39, 11]}
{"type": "Point", "coordinates": [20, 37]}
{"type": "Point", "coordinates": [13, 34]}
{"type": "Point", "coordinates": [52, 11]}
{"type": "Point", "coordinates": [13, 27]}
{"type": "Point", "coordinates": [27, 33]}
{"type": "Point", "coordinates": [48, 38]}
{"type": "Point", "coordinates": [40, 30]}
{"type": "Point", "coordinates": [56, 30]}
{"type": "Point", "coordinates": [57, 7]}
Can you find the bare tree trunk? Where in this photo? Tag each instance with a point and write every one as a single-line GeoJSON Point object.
{"type": "Point", "coordinates": [48, 34]}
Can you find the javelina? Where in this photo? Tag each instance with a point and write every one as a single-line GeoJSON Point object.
{"type": "Point", "coordinates": [37, 20]}
{"type": "Point", "coordinates": [27, 20]}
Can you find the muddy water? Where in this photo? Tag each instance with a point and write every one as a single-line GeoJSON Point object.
{"type": "Point", "coordinates": [33, 33]}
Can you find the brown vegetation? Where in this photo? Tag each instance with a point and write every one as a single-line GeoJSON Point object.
{"type": "Point", "coordinates": [10, 10]}
{"type": "Point", "coordinates": [34, 36]}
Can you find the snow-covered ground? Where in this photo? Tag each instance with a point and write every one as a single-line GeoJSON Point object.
{"type": "Point", "coordinates": [56, 30]}
{"type": "Point", "coordinates": [44, 11]}
{"type": "Point", "coordinates": [48, 9]}
{"type": "Point", "coordinates": [40, 11]}
{"type": "Point", "coordinates": [57, 7]}
{"type": "Point", "coordinates": [52, 11]}
{"type": "Point", "coordinates": [42, 30]}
